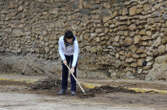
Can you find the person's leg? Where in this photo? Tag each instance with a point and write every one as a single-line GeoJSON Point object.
{"type": "Point", "coordinates": [64, 77]}
{"type": "Point", "coordinates": [65, 74]}
{"type": "Point", "coordinates": [73, 81]}
{"type": "Point", "coordinates": [64, 80]}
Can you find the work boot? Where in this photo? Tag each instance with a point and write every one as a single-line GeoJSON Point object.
{"type": "Point", "coordinates": [62, 92]}
{"type": "Point", "coordinates": [73, 93]}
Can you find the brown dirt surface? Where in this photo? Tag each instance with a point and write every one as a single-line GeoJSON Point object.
{"type": "Point", "coordinates": [112, 95]}
{"type": "Point", "coordinates": [161, 85]}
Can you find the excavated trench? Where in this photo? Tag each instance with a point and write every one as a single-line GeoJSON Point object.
{"type": "Point", "coordinates": [54, 84]}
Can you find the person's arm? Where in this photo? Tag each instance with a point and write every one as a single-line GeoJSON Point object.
{"type": "Point", "coordinates": [60, 48]}
{"type": "Point", "coordinates": [76, 53]}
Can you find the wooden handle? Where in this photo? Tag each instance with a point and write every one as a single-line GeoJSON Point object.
{"type": "Point", "coordinates": [76, 80]}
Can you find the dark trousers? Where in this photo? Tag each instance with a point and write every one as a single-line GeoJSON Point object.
{"type": "Point", "coordinates": [65, 73]}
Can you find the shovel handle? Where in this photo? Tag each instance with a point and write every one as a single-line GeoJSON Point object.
{"type": "Point", "coordinates": [76, 80]}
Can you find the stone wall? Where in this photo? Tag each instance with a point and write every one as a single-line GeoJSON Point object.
{"type": "Point", "coordinates": [121, 37]}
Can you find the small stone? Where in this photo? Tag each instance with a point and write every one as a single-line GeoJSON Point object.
{"type": "Point", "coordinates": [20, 8]}
{"type": "Point", "coordinates": [166, 23]}
{"type": "Point", "coordinates": [132, 27]}
{"type": "Point", "coordinates": [142, 32]}
{"type": "Point", "coordinates": [99, 30]}
{"type": "Point", "coordinates": [112, 26]}
{"type": "Point", "coordinates": [149, 33]}
{"type": "Point", "coordinates": [133, 65]}
{"type": "Point", "coordinates": [92, 35]}
{"type": "Point", "coordinates": [117, 55]}
{"type": "Point", "coordinates": [54, 11]}
{"type": "Point", "coordinates": [139, 71]}
{"type": "Point", "coordinates": [133, 48]}
{"type": "Point", "coordinates": [146, 38]}
{"type": "Point", "coordinates": [97, 39]}
{"type": "Point", "coordinates": [129, 60]}
{"type": "Point", "coordinates": [132, 11]}
{"type": "Point", "coordinates": [12, 5]}
{"type": "Point", "coordinates": [147, 67]}
{"type": "Point", "coordinates": [139, 10]}
{"type": "Point", "coordinates": [137, 39]}
{"type": "Point", "coordinates": [126, 33]}
{"type": "Point", "coordinates": [161, 49]}
{"type": "Point", "coordinates": [123, 18]}
{"type": "Point", "coordinates": [97, 1]}
{"type": "Point", "coordinates": [128, 41]}
{"type": "Point", "coordinates": [150, 63]}
{"type": "Point", "coordinates": [106, 19]}
{"type": "Point", "coordinates": [157, 42]}
{"type": "Point", "coordinates": [135, 56]}
{"type": "Point", "coordinates": [106, 30]}
{"type": "Point", "coordinates": [146, 7]}
{"type": "Point", "coordinates": [124, 11]}
{"type": "Point", "coordinates": [85, 11]}
{"type": "Point", "coordinates": [116, 39]}
{"type": "Point", "coordinates": [45, 13]}
{"type": "Point", "coordinates": [164, 40]}
{"type": "Point", "coordinates": [149, 59]}
{"type": "Point", "coordinates": [107, 5]}
{"type": "Point", "coordinates": [140, 50]}
{"type": "Point", "coordinates": [143, 55]}
{"type": "Point", "coordinates": [140, 62]}
{"type": "Point", "coordinates": [93, 49]}
{"type": "Point", "coordinates": [165, 16]}
{"type": "Point", "coordinates": [18, 32]}
{"type": "Point", "coordinates": [161, 59]}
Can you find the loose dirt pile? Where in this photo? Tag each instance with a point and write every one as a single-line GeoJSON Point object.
{"type": "Point", "coordinates": [47, 83]}
{"type": "Point", "coordinates": [55, 84]}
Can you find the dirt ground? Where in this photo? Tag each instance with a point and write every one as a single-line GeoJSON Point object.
{"type": "Point", "coordinates": [17, 96]}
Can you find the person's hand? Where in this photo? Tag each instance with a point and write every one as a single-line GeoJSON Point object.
{"type": "Point", "coordinates": [72, 70]}
{"type": "Point", "coordinates": [65, 62]}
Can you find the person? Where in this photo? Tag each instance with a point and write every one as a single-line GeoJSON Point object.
{"type": "Point", "coordinates": [69, 51]}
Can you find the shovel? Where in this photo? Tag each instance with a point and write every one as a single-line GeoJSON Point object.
{"type": "Point", "coordinates": [76, 80]}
